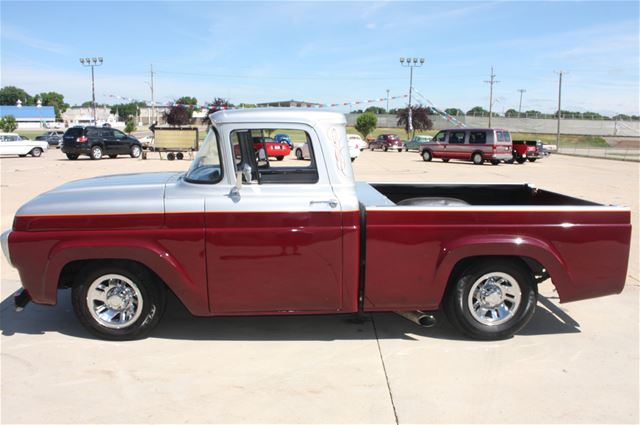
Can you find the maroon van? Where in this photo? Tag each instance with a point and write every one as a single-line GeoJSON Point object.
{"type": "Point", "coordinates": [470, 144]}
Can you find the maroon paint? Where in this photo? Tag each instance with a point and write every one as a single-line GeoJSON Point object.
{"type": "Point", "coordinates": [410, 254]}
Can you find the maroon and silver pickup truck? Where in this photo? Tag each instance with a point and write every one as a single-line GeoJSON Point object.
{"type": "Point", "coordinates": [238, 234]}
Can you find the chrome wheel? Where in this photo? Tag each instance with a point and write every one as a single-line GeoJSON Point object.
{"type": "Point", "coordinates": [114, 301]}
{"type": "Point", "coordinates": [494, 298]}
{"type": "Point", "coordinates": [135, 151]}
{"type": "Point", "coordinates": [96, 152]}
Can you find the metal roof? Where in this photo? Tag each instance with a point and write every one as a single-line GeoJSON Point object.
{"type": "Point", "coordinates": [28, 112]}
{"type": "Point", "coordinates": [279, 115]}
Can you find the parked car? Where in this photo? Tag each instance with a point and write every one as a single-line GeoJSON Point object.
{"type": "Point", "coordinates": [283, 138]}
{"type": "Point", "coordinates": [416, 143]}
{"type": "Point", "coordinates": [470, 144]}
{"type": "Point", "coordinates": [526, 150]}
{"type": "Point", "coordinates": [357, 141]}
{"type": "Point", "coordinates": [14, 144]}
{"type": "Point", "coordinates": [52, 137]}
{"type": "Point", "coordinates": [95, 142]}
{"type": "Point", "coordinates": [353, 143]}
{"type": "Point", "coordinates": [272, 148]}
{"type": "Point", "coordinates": [386, 142]}
{"type": "Point", "coordinates": [308, 239]}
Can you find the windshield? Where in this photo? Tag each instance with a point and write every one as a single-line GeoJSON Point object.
{"type": "Point", "coordinates": [206, 167]}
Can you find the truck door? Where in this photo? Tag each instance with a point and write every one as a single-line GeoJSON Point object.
{"type": "Point", "coordinates": [278, 246]}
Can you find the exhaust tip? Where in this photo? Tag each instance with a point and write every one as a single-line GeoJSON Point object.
{"type": "Point", "coordinates": [427, 320]}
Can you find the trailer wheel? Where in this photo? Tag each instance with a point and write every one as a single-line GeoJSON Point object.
{"type": "Point", "coordinates": [491, 300]}
{"type": "Point", "coordinates": [118, 302]}
{"type": "Point", "coordinates": [180, 156]}
{"type": "Point", "coordinates": [171, 156]}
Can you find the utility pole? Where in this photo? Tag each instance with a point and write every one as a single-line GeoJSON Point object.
{"type": "Point", "coordinates": [387, 101]}
{"type": "Point", "coordinates": [153, 100]}
{"type": "Point", "coordinates": [491, 83]}
{"type": "Point", "coordinates": [559, 108]}
{"type": "Point", "coordinates": [520, 105]}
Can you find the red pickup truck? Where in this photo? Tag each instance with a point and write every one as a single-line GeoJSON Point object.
{"type": "Point", "coordinates": [240, 235]}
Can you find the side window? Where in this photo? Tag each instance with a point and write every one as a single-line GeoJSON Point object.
{"type": "Point", "coordinates": [456, 137]}
{"type": "Point", "coordinates": [440, 137]}
{"type": "Point", "coordinates": [478, 137]}
{"type": "Point", "coordinates": [119, 135]}
{"type": "Point", "coordinates": [500, 136]}
{"type": "Point", "coordinates": [275, 162]}
{"type": "Point", "coordinates": [91, 132]}
{"type": "Point", "coordinates": [106, 134]}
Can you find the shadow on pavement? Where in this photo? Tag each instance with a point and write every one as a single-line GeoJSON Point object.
{"type": "Point", "coordinates": [178, 324]}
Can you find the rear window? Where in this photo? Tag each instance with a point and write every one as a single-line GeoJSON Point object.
{"type": "Point", "coordinates": [73, 132]}
{"type": "Point", "coordinates": [393, 137]}
{"type": "Point", "coordinates": [503, 136]}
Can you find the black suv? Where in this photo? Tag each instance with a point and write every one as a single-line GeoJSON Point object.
{"type": "Point", "coordinates": [98, 141]}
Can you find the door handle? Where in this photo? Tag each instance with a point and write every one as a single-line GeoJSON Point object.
{"type": "Point", "coordinates": [331, 202]}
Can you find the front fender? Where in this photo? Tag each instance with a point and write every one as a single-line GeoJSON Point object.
{"type": "Point", "coordinates": [187, 281]}
{"type": "Point", "coordinates": [502, 245]}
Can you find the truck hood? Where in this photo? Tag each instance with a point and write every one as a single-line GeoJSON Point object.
{"type": "Point", "coordinates": [117, 194]}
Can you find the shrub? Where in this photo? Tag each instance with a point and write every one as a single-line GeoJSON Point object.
{"type": "Point", "coordinates": [366, 123]}
{"type": "Point", "coordinates": [8, 123]}
{"type": "Point", "coordinates": [130, 126]}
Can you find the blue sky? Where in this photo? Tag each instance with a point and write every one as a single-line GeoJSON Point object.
{"type": "Point", "coordinates": [329, 52]}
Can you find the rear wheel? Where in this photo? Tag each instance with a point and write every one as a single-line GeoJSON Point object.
{"type": "Point", "coordinates": [445, 159]}
{"type": "Point", "coordinates": [72, 156]}
{"type": "Point", "coordinates": [426, 156]}
{"type": "Point", "coordinates": [299, 155]}
{"type": "Point", "coordinates": [95, 152]}
{"type": "Point", "coordinates": [113, 156]}
{"type": "Point", "coordinates": [36, 152]}
{"type": "Point", "coordinates": [406, 149]}
{"type": "Point", "coordinates": [386, 148]}
{"type": "Point", "coordinates": [477, 158]}
{"type": "Point", "coordinates": [495, 162]}
{"type": "Point", "coordinates": [532, 159]}
{"type": "Point", "coordinates": [118, 302]}
{"type": "Point", "coordinates": [521, 160]}
{"type": "Point", "coordinates": [280, 158]}
{"type": "Point", "coordinates": [135, 151]}
{"type": "Point", "coordinates": [492, 300]}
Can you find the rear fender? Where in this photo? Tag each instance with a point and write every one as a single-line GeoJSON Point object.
{"type": "Point", "coordinates": [501, 245]}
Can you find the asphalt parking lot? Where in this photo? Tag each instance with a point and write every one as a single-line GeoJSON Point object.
{"type": "Point", "coordinates": [574, 363]}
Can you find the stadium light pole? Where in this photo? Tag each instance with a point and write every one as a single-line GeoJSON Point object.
{"type": "Point", "coordinates": [92, 62]}
{"type": "Point", "coordinates": [411, 63]}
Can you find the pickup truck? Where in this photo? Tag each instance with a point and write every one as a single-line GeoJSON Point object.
{"type": "Point", "coordinates": [238, 234]}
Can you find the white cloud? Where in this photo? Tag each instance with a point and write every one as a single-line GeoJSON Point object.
{"type": "Point", "coordinates": [13, 34]}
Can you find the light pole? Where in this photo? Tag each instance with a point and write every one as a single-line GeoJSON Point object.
{"type": "Point", "coordinates": [520, 104]}
{"type": "Point", "coordinates": [387, 101]}
{"type": "Point", "coordinates": [92, 62]}
{"type": "Point", "coordinates": [411, 63]}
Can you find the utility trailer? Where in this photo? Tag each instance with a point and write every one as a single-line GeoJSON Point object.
{"type": "Point", "coordinates": [175, 142]}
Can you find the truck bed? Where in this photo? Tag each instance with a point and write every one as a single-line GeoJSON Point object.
{"type": "Point", "coordinates": [412, 248]}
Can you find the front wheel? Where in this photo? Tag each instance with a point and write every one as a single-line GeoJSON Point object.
{"type": "Point", "coordinates": [386, 148]}
{"type": "Point", "coordinates": [495, 162]}
{"type": "Point", "coordinates": [521, 160]}
{"type": "Point", "coordinates": [406, 149]}
{"type": "Point", "coordinates": [36, 152]}
{"type": "Point", "coordinates": [445, 159]}
{"type": "Point", "coordinates": [280, 158]}
{"type": "Point", "coordinates": [95, 152]}
{"type": "Point", "coordinates": [492, 300]}
{"type": "Point", "coordinates": [135, 151]}
{"type": "Point", "coordinates": [299, 154]}
{"type": "Point", "coordinates": [72, 156]}
{"type": "Point", "coordinates": [532, 159]}
{"type": "Point", "coordinates": [426, 156]}
{"type": "Point", "coordinates": [118, 303]}
{"type": "Point", "coordinates": [113, 156]}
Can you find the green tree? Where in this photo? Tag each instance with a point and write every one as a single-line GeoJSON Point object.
{"type": "Point", "coordinates": [8, 123]}
{"type": "Point", "coordinates": [89, 104]}
{"type": "Point", "coordinates": [454, 111]}
{"type": "Point", "coordinates": [53, 99]}
{"type": "Point", "coordinates": [130, 126]}
{"type": "Point", "coordinates": [376, 110]}
{"type": "Point", "coordinates": [9, 95]}
{"type": "Point", "coordinates": [218, 104]}
{"type": "Point", "coordinates": [478, 111]}
{"type": "Point", "coordinates": [419, 118]}
{"type": "Point", "coordinates": [187, 100]}
{"type": "Point", "coordinates": [126, 110]}
{"type": "Point", "coordinates": [511, 113]}
{"type": "Point", "coordinates": [366, 123]}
